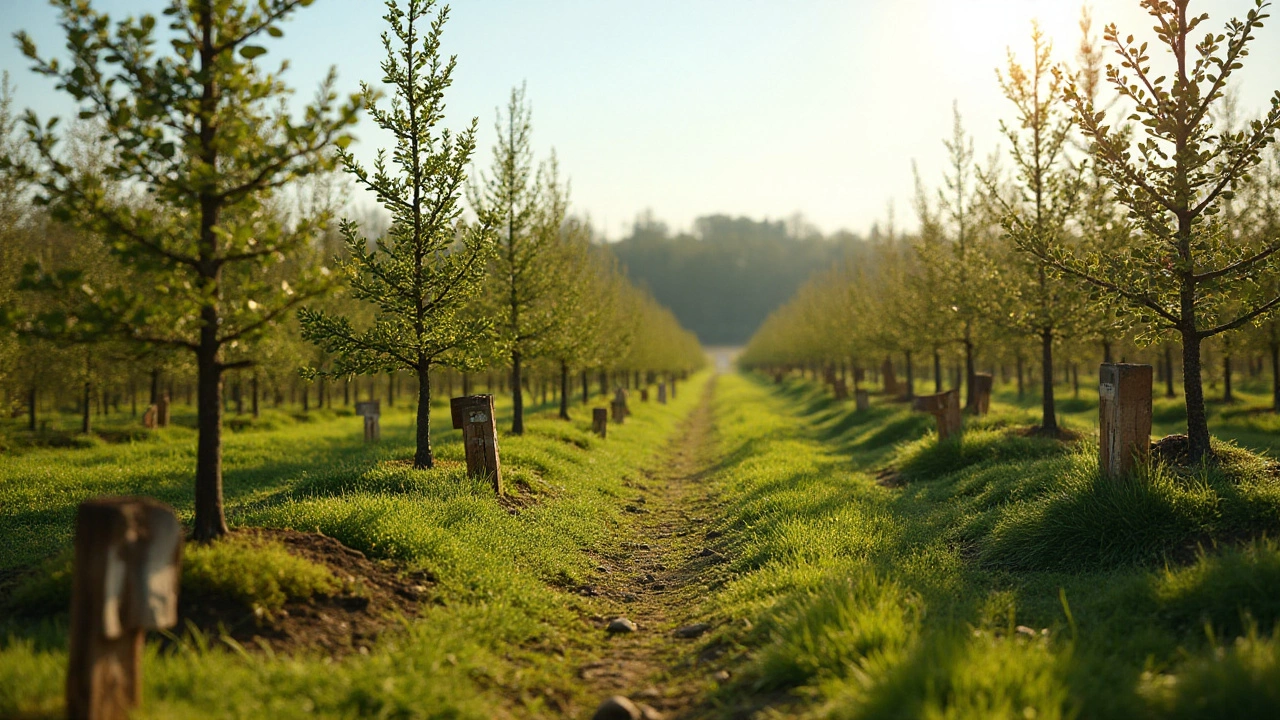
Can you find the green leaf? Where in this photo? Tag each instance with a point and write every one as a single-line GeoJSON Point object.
{"type": "Point", "coordinates": [249, 52]}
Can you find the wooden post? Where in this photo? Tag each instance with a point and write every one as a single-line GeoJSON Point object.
{"type": "Point", "coordinates": [982, 383]}
{"type": "Point", "coordinates": [1124, 416]}
{"type": "Point", "coordinates": [861, 399]}
{"type": "Point", "coordinates": [620, 404]}
{"type": "Point", "coordinates": [945, 408]}
{"type": "Point", "coordinates": [644, 394]}
{"type": "Point", "coordinates": [371, 411]}
{"type": "Point", "coordinates": [662, 393]}
{"type": "Point", "coordinates": [162, 411]}
{"type": "Point", "coordinates": [149, 417]}
{"type": "Point", "coordinates": [600, 421]}
{"type": "Point", "coordinates": [128, 554]}
{"type": "Point", "coordinates": [474, 415]}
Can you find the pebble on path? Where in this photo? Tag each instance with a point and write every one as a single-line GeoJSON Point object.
{"type": "Point", "coordinates": [692, 631]}
{"type": "Point", "coordinates": [617, 708]}
{"type": "Point", "coordinates": [621, 625]}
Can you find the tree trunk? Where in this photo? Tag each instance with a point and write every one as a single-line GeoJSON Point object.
{"type": "Point", "coordinates": [1021, 379]}
{"type": "Point", "coordinates": [86, 425]}
{"type": "Point", "coordinates": [1193, 390]}
{"type": "Point", "coordinates": [517, 396]}
{"type": "Point", "coordinates": [937, 371]}
{"type": "Point", "coordinates": [210, 522]}
{"type": "Point", "coordinates": [422, 457]}
{"type": "Point", "coordinates": [1106, 351]}
{"type": "Point", "coordinates": [1226, 379]}
{"type": "Point", "coordinates": [254, 383]}
{"type": "Point", "coordinates": [466, 383]}
{"type": "Point", "coordinates": [1168, 371]}
{"type": "Point", "coordinates": [391, 389]}
{"type": "Point", "coordinates": [1275, 376]}
{"type": "Point", "coordinates": [604, 383]}
{"type": "Point", "coordinates": [586, 391]}
{"type": "Point", "coordinates": [968, 368]}
{"type": "Point", "coordinates": [564, 390]}
{"type": "Point", "coordinates": [155, 386]}
{"type": "Point", "coordinates": [911, 377]}
{"type": "Point", "coordinates": [31, 407]}
{"type": "Point", "coordinates": [1075, 380]}
{"type": "Point", "coordinates": [1050, 418]}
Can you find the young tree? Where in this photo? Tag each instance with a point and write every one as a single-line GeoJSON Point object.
{"type": "Point", "coordinates": [423, 275]}
{"type": "Point", "coordinates": [1038, 302]}
{"type": "Point", "coordinates": [201, 130]}
{"type": "Point", "coordinates": [1183, 273]}
{"type": "Point", "coordinates": [526, 206]}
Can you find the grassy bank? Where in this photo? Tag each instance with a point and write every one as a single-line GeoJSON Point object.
{"type": "Point", "coordinates": [503, 624]}
{"type": "Point", "coordinates": [998, 578]}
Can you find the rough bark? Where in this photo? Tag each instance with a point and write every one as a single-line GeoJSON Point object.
{"type": "Point", "coordinates": [1193, 389]}
{"type": "Point", "coordinates": [937, 371]}
{"type": "Point", "coordinates": [564, 390]}
{"type": "Point", "coordinates": [210, 521]}
{"type": "Point", "coordinates": [422, 457]}
{"type": "Point", "coordinates": [1049, 423]}
{"type": "Point", "coordinates": [517, 395]}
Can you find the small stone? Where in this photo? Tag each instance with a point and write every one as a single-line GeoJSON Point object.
{"type": "Point", "coordinates": [620, 625]}
{"type": "Point", "coordinates": [657, 587]}
{"type": "Point", "coordinates": [721, 676]}
{"type": "Point", "coordinates": [713, 534]}
{"type": "Point", "coordinates": [649, 577]}
{"type": "Point", "coordinates": [629, 597]}
{"type": "Point", "coordinates": [692, 631]}
{"type": "Point", "coordinates": [617, 708]}
{"type": "Point", "coordinates": [601, 568]}
{"type": "Point", "coordinates": [1024, 630]}
{"type": "Point", "coordinates": [709, 553]}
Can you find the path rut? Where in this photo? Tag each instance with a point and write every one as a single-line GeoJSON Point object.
{"type": "Point", "coordinates": [657, 578]}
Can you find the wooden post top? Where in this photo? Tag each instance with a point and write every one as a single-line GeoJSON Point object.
{"type": "Point", "coordinates": [459, 405]}
{"type": "Point", "coordinates": [934, 404]}
{"type": "Point", "coordinates": [368, 408]}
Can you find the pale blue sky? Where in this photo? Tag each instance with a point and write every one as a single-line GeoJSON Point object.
{"type": "Point", "coordinates": [691, 107]}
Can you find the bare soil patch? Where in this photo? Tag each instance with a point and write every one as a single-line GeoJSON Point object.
{"type": "Point", "coordinates": [373, 598]}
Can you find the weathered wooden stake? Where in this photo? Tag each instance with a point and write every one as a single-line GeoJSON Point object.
{"type": "Point", "coordinates": [128, 554]}
{"type": "Point", "coordinates": [662, 393]}
{"type": "Point", "coordinates": [600, 422]}
{"type": "Point", "coordinates": [644, 394]}
{"type": "Point", "coordinates": [982, 383]}
{"type": "Point", "coordinates": [1124, 416]}
{"type": "Point", "coordinates": [861, 399]}
{"type": "Point", "coordinates": [371, 411]}
{"type": "Point", "coordinates": [162, 411]}
{"type": "Point", "coordinates": [945, 408]}
{"type": "Point", "coordinates": [474, 415]}
{"type": "Point", "coordinates": [149, 417]}
{"type": "Point", "coordinates": [620, 409]}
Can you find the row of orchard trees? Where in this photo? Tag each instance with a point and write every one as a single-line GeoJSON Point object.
{"type": "Point", "coordinates": [1149, 220]}
{"type": "Point", "coordinates": [188, 218]}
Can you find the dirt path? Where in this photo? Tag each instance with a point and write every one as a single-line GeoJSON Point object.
{"type": "Point", "coordinates": [657, 578]}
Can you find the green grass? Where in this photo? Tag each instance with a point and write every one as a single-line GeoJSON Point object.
{"type": "Point", "coordinates": [504, 625]}
{"type": "Point", "coordinates": [1005, 579]}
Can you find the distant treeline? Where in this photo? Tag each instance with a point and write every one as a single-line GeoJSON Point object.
{"type": "Point", "coordinates": [724, 278]}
